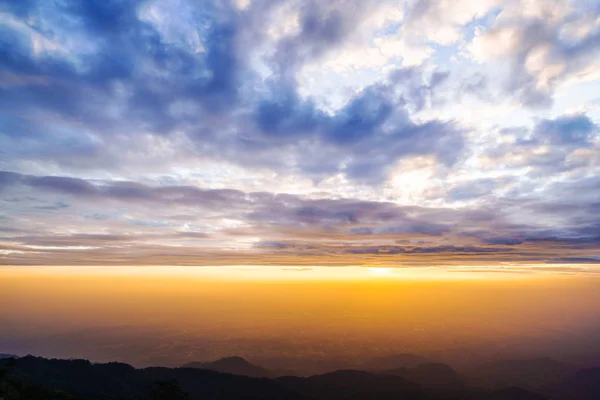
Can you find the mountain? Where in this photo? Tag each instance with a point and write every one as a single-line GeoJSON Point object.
{"type": "Point", "coordinates": [583, 385]}
{"type": "Point", "coordinates": [232, 365]}
{"type": "Point", "coordinates": [15, 389]}
{"type": "Point", "coordinates": [112, 381]}
{"type": "Point", "coordinates": [2, 355]}
{"type": "Point", "coordinates": [37, 378]}
{"type": "Point", "coordinates": [352, 384]}
{"type": "Point", "coordinates": [401, 360]}
{"type": "Point", "coordinates": [529, 373]}
{"type": "Point", "coordinates": [435, 376]}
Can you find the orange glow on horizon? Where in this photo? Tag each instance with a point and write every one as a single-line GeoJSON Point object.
{"type": "Point", "coordinates": [422, 310]}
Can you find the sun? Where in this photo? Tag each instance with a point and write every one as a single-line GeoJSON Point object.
{"type": "Point", "coordinates": [380, 271]}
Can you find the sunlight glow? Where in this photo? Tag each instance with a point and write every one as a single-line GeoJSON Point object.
{"type": "Point", "coordinates": [381, 271]}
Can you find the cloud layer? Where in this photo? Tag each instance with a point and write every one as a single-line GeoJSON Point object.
{"type": "Point", "coordinates": [299, 132]}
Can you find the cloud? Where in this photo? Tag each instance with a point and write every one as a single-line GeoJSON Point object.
{"type": "Point", "coordinates": [539, 41]}
{"type": "Point", "coordinates": [552, 146]}
{"type": "Point", "coordinates": [442, 21]}
{"type": "Point", "coordinates": [376, 119]}
{"type": "Point", "coordinates": [448, 250]}
{"type": "Point", "coordinates": [474, 189]}
{"type": "Point", "coordinates": [569, 130]}
{"type": "Point", "coordinates": [201, 223]}
{"type": "Point", "coordinates": [341, 131]}
{"type": "Point", "coordinates": [127, 79]}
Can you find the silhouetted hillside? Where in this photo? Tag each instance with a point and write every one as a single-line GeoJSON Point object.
{"type": "Point", "coordinates": [437, 376]}
{"type": "Point", "coordinates": [232, 365]}
{"type": "Point", "coordinates": [583, 385]}
{"type": "Point", "coordinates": [36, 378]}
{"type": "Point", "coordinates": [530, 374]}
{"type": "Point", "coordinates": [351, 384]}
{"type": "Point", "coordinates": [121, 381]}
{"type": "Point", "coordinates": [16, 389]}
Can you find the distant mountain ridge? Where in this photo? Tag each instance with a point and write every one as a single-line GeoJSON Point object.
{"type": "Point", "coordinates": [37, 378]}
{"type": "Point", "coordinates": [232, 365]}
{"type": "Point", "coordinates": [526, 373]}
{"type": "Point", "coordinates": [353, 384]}
{"type": "Point", "coordinates": [436, 376]}
{"type": "Point", "coordinates": [400, 360]}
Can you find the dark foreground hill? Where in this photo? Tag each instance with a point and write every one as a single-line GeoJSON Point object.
{"type": "Point", "coordinates": [36, 378]}
{"type": "Point", "coordinates": [81, 379]}
{"type": "Point", "coordinates": [583, 385]}
{"type": "Point", "coordinates": [353, 385]}
{"type": "Point", "coordinates": [232, 365]}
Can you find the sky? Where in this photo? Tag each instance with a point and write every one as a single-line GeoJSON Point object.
{"type": "Point", "coordinates": [303, 322]}
{"type": "Point", "coordinates": [417, 133]}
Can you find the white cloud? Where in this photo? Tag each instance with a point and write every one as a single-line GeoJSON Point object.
{"type": "Point", "coordinates": [242, 4]}
{"type": "Point", "coordinates": [494, 44]}
{"type": "Point", "coordinates": [541, 45]}
{"type": "Point", "coordinates": [539, 63]}
{"type": "Point", "coordinates": [396, 47]}
{"type": "Point", "coordinates": [442, 21]}
{"type": "Point", "coordinates": [174, 20]}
